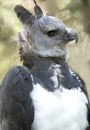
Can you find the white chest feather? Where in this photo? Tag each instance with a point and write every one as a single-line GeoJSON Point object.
{"type": "Point", "coordinates": [60, 110]}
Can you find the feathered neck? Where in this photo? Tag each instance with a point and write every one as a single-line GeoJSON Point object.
{"type": "Point", "coordinates": [30, 60]}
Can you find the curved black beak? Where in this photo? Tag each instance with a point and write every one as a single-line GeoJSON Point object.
{"type": "Point", "coordinates": [71, 35]}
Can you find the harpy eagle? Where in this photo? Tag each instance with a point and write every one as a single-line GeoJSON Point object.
{"type": "Point", "coordinates": [44, 93]}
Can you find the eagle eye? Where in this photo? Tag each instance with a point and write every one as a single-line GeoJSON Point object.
{"type": "Point", "coordinates": [52, 33]}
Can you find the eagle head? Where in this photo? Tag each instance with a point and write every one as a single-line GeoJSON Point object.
{"type": "Point", "coordinates": [43, 35]}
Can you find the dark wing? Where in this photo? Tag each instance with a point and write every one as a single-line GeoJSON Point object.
{"type": "Point", "coordinates": [16, 107]}
{"type": "Point", "coordinates": [82, 84]}
{"type": "Point", "coordinates": [77, 81]}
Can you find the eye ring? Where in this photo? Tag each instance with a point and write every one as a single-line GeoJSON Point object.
{"type": "Point", "coordinates": [52, 33]}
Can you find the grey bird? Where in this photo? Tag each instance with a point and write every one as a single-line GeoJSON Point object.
{"type": "Point", "coordinates": [44, 93]}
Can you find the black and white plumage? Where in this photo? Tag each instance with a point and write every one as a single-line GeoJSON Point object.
{"type": "Point", "coordinates": [44, 94]}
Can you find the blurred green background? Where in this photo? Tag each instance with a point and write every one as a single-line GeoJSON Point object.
{"type": "Point", "coordinates": [74, 13]}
